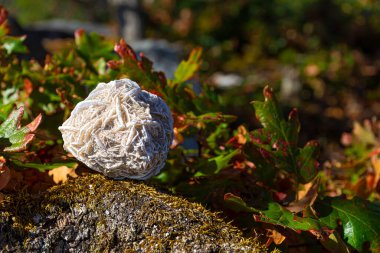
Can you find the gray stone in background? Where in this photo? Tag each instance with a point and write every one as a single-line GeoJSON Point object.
{"type": "Point", "coordinates": [69, 27]}
{"type": "Point", "coordinates": [164, 55]}
{"type": "Point", "coordinates": [129, 16]}
{"type": "Point", "coordinates": [291, 84]}
{"type": "Point", "coordinates": [93, 214]}
{"type": "Point", "coordinates": [226, 81]}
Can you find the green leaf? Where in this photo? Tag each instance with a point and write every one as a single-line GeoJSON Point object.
{"type": "Point", "coordinates": [5, 110]}
{"type": "Point", "coordinates": [13, 137]}
{"type": "Point", "coordinates": [220, 132]}
{"type": "Point", "coordinates": [222, 161]}
{"type": "Point", "coordinates": [360, 220]}
{"type": "Point", "coordinates": [334, 243]}
{"type": "Point", "coordinates": [42, 167]}
{"type": "Point", "coordinates": [14, 44]}
{"type": "Point", "coordinates": [306, 161]}
{"type": "Point", "coordinates": [216, 164]}
{"type": "Point", "coordinates": [3, 30]}
{"type": "Point", "coordinates": [207, 118]}
{"type": "Point", "coordinates": [277, 140]}
{"type": "Point", "coordinates": [274, 213]}
{"type": "Point", "coordinates": [188, 68]}
{"type": "Point", "coordinates": [92, 46]}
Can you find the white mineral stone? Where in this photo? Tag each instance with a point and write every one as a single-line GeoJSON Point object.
{"type": "Point", "coordinates": [120, 131]}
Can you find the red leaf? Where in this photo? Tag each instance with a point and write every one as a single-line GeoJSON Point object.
{"type": "Point", "coordinates": [5, 174]}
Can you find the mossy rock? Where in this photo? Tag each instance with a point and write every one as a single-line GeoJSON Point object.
{"type": "Point", "coordinates": [95, 214]}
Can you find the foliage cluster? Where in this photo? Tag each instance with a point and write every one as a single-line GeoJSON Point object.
{"type": "Point", "coordinates": [261, 179]}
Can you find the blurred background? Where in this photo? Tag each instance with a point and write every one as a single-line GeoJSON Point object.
{"type": "Point", "coordinates": [322, 56]}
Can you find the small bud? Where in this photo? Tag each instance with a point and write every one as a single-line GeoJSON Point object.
{"type": "Point", "coordinates": [121, 49]}
{"type": "Point", "coordinates": [78, 35]}
{"type": "Point", "coordinates": [268, 92]}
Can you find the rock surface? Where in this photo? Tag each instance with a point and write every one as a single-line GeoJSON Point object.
{"type": "Point", "coordinates": [95, 214]}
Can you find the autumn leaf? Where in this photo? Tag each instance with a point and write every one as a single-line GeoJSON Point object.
{"type": "Point", "coordinates": [278, 139]}
{"type": "Point", "coordinates": [62, 174]}
{"type": "Point", "coordinates": [187, 68]}
{"type": "Point", "coordinates": [307, 200]}
{"type": "Point", "coordinates": [138, 69]}
{"type": "Point", "coordinates": [13, 137]}
{"type": "Point", "coordinates": [5, 174]}
{"type": "Point", "coordinates": [375, 162]}
{"type": "Point", "coordinates": [274, 236]}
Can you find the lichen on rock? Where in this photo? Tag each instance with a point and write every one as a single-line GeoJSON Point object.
{"type": "Point", "coordinates": [120, 131]}
{"type": "Point", "coordinates": [95, 214]}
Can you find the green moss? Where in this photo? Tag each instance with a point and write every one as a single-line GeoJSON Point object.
{"type": "Point", "coordinates": [104, 214]}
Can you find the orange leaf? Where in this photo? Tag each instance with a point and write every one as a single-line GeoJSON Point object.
{"type": "Point", "coordinates": [376, 167]}
{"type": "Point", "coordinates": [61, 174]}
{"type": "Point", "coordinates": [178, 138]}
{"type": "Point", "coordinates": [275, 236]}
{"type": "Point", "coordinates": [302, 193]}
{"type": "Point", "coordinates": [363, 187]}
{"type": "Point", "coordinates": [241, 136]}
{"type": "Point", "coordinates": [28, 87]}
{"type": "Point", "coordinates": [307, 197]}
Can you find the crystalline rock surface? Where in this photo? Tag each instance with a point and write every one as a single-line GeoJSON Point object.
{"type": "Point", "coordinates": [120, 131]}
